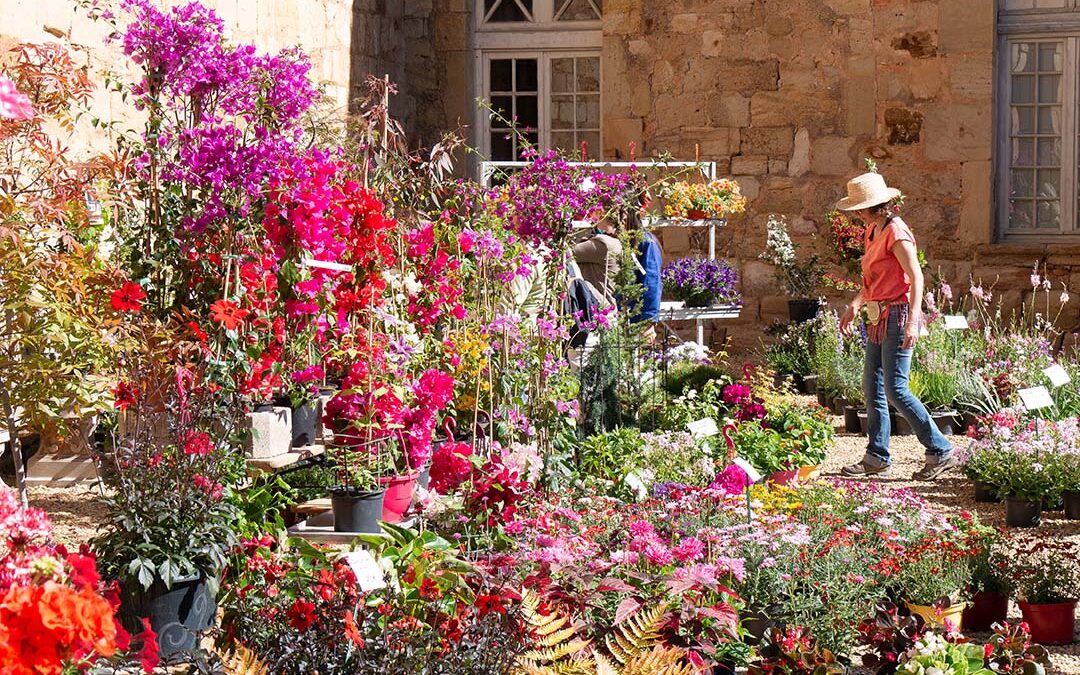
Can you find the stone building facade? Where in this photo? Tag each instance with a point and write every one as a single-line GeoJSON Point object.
{"type": "Point", "coordinates": [968, 106]}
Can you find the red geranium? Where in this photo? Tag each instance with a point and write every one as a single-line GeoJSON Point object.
{"type": "Point", "coordinates": [228, 314]}
{"type": "Point", "coordinates": [128, 298]}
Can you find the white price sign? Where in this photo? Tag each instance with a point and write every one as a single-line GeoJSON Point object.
{"type": "Point", "coordinates": [1036, 398]}
{"type": "Point", "coordinates": [703, 428]}
{"type": "Point", "coordinates": [369, 576]}
{"type": "Point", "coordinates": [955, 322]}
{"type": "Point", "coordinates": [1057, 375]}
{"type": "Point", "coordinates": [324, 265]}
{"type": "Point", "coordinates": [746, 466]}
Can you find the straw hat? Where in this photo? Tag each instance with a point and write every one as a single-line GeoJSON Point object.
{"type": "Point", "coordinates": [865, 191]}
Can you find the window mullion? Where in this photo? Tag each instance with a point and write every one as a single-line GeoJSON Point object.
{"type": "Point", "coordinates": [1069, 135]}
{"type": "Point", "coordinates": [543, 84]}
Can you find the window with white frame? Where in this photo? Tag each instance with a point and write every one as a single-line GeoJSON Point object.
{"type": "Point", "coordinates": [538, 67]}
{"type": "Point", "coordinates": [1038, 163]}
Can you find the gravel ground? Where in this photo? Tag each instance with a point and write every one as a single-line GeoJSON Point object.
{"type": "Point", "coordinates": [75, 511]}
{"type": "Point", "coordinates": [954, 491]}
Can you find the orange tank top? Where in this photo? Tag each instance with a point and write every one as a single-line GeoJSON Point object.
{"type": "Point", "coordinates": [883, 278]}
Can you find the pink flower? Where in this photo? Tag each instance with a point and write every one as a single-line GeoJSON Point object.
{"type": "Point", "coordinates": [689, 549]}
{"type": "Point", "coordinates": [732, 480]}
{"type": "Point", "coordinates": [641, 529]}
{"type": "Point", "coordinates": [658, 554]}
{"type": "Point", "coordinates": [13, 103]}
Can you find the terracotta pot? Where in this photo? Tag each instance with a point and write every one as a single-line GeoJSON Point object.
{"type": "Point", "coordinates": [934, 617]}
{"type": "Point", "coordinates": [399, 494]}
{"type": "Point", "coordinates": [1072, 505]}
{"type": "Point", "coordinates": [1052, 623]}
{"type": "Point", "coordinates": [1022, 513]}
{"type": "Point", "coordinates": [697, 214]}
{"type": "Point", "coordinates": [986, 609]}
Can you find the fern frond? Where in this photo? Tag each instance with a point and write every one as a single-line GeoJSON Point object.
{"type": "Point", "coordinates": [555, 650]}
{"type": "Point", "coordinates": [241, 661]}
{"type": "Point", "coordinates": [660, 660]}
{"type": "Point", "coordinates": [637, 634]}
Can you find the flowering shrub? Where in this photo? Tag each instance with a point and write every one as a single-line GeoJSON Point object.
{"type": "Point", "coordinates": [932, 654]}
{"type": "Point", "coordinates": [55, 613]}
{"type": "Point", "coordinates": [701, 282]}
{"type": "Point", "coordinates": [1041, 570]}
{"type": "Point", "coordinates": [714, 199]}
{"type": "Point", "coordinates": [801, 279]}
{"type": "Point", "coordinates": [1027, 459]}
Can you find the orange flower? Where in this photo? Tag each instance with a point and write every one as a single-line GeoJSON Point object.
{"type": "Point", "coordinates": [228, 314]}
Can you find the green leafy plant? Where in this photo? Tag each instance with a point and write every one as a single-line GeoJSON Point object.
{"type": "Point", "coordinates": [1010, 650]}
{"type": "Point", "coordinates": [933, 652]}
{"type": "Point", "coordinates": [794, 652]}
{"type": "Point", "coordinates": [801, 279]}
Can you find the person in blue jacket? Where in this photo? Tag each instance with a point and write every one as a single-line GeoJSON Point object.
{"type": "Point", "coordinates": [648, 261]}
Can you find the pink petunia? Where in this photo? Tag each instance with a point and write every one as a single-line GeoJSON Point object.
{"type": "Point", "coordinates": [13, 103]}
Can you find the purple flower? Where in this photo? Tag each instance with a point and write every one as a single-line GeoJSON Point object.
{"type": "Point", "coordinates": [701, 278]}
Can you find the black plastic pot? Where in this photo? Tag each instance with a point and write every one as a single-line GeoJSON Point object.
{"type": "Point", "coordinates": [967, 421]}
{"type": "Point", "coordinates": [357, 510]}
{"type": "Point", "coordinates": [947, 421]}
{"type": "Point", "coordinates": [178, 615]}
{"type": "Point", "coordinates": [823, 398]}
{"type": "Point", "coordinates": [1072, 505]}
{"type": "Point", "coordinates": [899, 425]}
{"type": "Point", "coordinates": [809, 383]}
{"type": "Point", "coordinates": [305, 424]}
{"type": "Point", "coordinates": [986, 493]}
{"type": "Point", "coordinates": [724, 668]}
{"type": "Point", "coordinates": [1022, 513]}
{"type": "Point", "coordinates": [758, 623]}
{"type": "Point", "coordinates": [783, 380]}
{"type": "Point", "coordinates": [851, 420]}
{"type": "Point", "coordinates": [801, 311]}
{"type": "Point", "coordinates": [864, 423]}
{"type": "Point", "coordinates": [264, 407]}
{"type": "Point", "coordinates": [425, 476]}
{"type": "Point", "coordinates": [838, 405]}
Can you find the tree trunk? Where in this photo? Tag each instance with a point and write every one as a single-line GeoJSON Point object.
{"type": "Point", "coordinates": [16, 447]}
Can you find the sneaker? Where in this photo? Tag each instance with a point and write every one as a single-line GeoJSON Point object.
{"type": "Point", "coordinates": [936, 466]}
{"type": "Point", "coordinates": [864, 470]}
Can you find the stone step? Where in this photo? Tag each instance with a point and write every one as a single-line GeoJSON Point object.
{"type": "Point", "coordinates": [314, 506]}
{"type": "Point", "coordinates": [278, 462]}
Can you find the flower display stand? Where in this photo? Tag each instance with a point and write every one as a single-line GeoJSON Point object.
{"type": "Point", "coordinates": [678, 311]}
{"type": "Point", "coordinates": [318, 527]}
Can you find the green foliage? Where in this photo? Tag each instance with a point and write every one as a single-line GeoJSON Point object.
{"type": "Point", "coordinates": [611, 455]}
{"type": "Point", "coordinates": [790, 351]}
{"type": "Point", "coordinates": [684, 376]}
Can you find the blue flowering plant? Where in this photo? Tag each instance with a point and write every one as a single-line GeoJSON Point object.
{"type": "Point", "coordinates": [702, 282]}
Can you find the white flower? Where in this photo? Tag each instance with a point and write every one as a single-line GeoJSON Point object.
{"type": "Point", "coordinates": [1064, 296]}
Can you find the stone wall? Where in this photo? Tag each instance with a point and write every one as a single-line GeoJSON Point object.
{"type": "Point", "coordinates": [789, 97]}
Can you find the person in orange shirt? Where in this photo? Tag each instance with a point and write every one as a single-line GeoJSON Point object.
{"type": "Point", "coordinates": [891, 302]}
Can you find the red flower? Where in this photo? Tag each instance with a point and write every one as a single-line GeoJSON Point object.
{"type": "Point", "coordinates": [490, 603]}
{"type": "Point", "coordinates": [199, 333]}
{"type": "Point", "coordinates": [148, 655]}
{"type": "Point", "coordinates": [302, 614]}
{"type": "Point", "coordinates": [198, 443]}
{"type": "Point", "coordinates": [125, 395]}
{"type": "Point", "coordinates": [228, 314]}
{"type": "Point", "coordinates": [351, 632]}
{"type": "Point", "coordinates": [429, 590]}
{"type": "Point", "coordinates": [128, 298]}
{"type": "Point", "coordinates": [84, 572]}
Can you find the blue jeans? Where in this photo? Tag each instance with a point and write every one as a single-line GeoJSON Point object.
{"type": "Point", "coordinates": [885, 381]}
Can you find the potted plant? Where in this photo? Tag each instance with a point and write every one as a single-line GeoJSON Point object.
{"type": "Point", "coordinates": [1046, 576]}
{"type": "Point", "coordinates": [169, 521]}
{"type": "Point", "coordinates": [700, 201]}
{"type": "Point", "coordinates": [1009, 650]}
{"type": "Point", "coordinates": [801, 279]}
{"type": "Point", "coordinates": [701, 282]}
{"type": "Point", "coordinates": [933, 653]}
{"type": "Point", "coordinates": [358, 494]}
{"type": "Point", "coordinates": [934, 577]}
{"type": "Point", "coordinates": [937, 390]}
{"type": "Point", "coordinates": [1024, 485]}
{"type": "Point", "coordinates": [983, 468]}
{"type": "Point", "coordinates": [1064, 467]}
{"type": "Point", "coordinates": [988, 588]}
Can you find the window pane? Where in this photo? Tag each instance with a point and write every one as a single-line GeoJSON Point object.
{"type": "Point", "coordinates": [588, 74]}
{"type": "Point", "coordinates": [562, 76]}
{"type": "Point", "coordinates": [526, 75]}
{"type": "Point", "coordinates": [592, 140]}
{"type": "Point", "coordinates": [503, 106]}
{"type": "Point", "coordinates": [563, 140]}
{"type": "Point", "coordinates": [507, 10]}
{"type": "Point", "coordinates": [1047, 183]}
{"type": "Point", "coordinates": [1022, 57]}
{"type": "Point", "coordinates": [1048, 215]}
{"type": "Point", "coordinates": [562, 111]}
{"type": "Point", "coordinates": [1022, 183]}
{"type": "Point", "coordinates": [528, 115]}
{"type": "Point", "coordinates": [1049, 152]}
{"type": "Point", "coordinates": [502, 147]}
{"type": "Point", "coordinates": [588, 111]}
{"type": "Point", "coordinates": [1021, 214]}
{"type": "Point", "coordinates": [502, 75]}
{"type": "Point", "coordinates": [1050, 57]}
{"type": "Point", "coordinates": [578, 10]}
{"type": "Point", "coordinates": [1050, 120]}
{"type": "Point", "coordinates": [1049, 89]}
{"type": "Point", "coordinates": [1023, 153]}
{"type": "Point", "coordinates": [1023, 89]}
{"type": "Point", "coordinates": [1023, 121]}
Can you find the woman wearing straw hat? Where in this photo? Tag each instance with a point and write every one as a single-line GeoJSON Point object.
{"type": "Point", "coordinates": [891, 302]}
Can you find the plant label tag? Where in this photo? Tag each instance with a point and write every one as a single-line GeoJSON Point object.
{"type": "Point", "coordinates": [634, 482]}
{"type": "Point", "coordinates": [923, 332]}
{"type": "Point", "coordinates": [322, 264]}
{"type": "Point", "coordinates": [703, 428]}
{"type": "Point", "coordinates": [369, 576]}
{"type": "Point", "coordinates": [1057, 375]}
{"type": "Point", "coordinates": [955, 322]}
{"type": "Point", "coordinates": [1036, 398]}
{"type": "Point", "coordinates": [746, 466]}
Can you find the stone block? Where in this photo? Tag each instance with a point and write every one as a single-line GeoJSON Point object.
{"type": "Point", "coordinates": [777, 166]}
{"type": "Point", "coordinates": [675, 240]}
{"type": "Point", "coordinates": [800, 154]}
{"type": "Point", "coordinates": [685, 23]}
{"type": "Point", "coordinates": [860, 101]}
{"type": "Point", "coordinates": [752, 165]}
{"type": "Point", "coordinates": [451, 32]}
{"type": "Point", "coordinates": [972, 77]}
{"type": "Point", "coordinates": [903, 126]}
{"type": "Point", "coordinates": [832, 156]}
{"type": "Point", "coordinates": [729, 110]}
{"type": "Point", "coordinates": [966, 26]}
{"type": "Point", "coordinates": [775, 142]}
{"type": "Point", "coordinates": [752, 76]}
{"type": "Point", "coordinates": [976, 214]}
{"type": "Point", "coordinates": [920, 44]}
{"type": "Point", "coordinates": [619, 132]}
{"type": "Point", "coordinates": [757, 277]}
{"type": "Point", "coordinates": [958, 132]}
{"type": "Point", "coordinates": [270, 433]}
{"type": "Point", "coordinates": [927, 78]}
{"type": "Point", "coordinates": [717, 143]}
{"type": "Point", "coordinates": [749, 186]}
